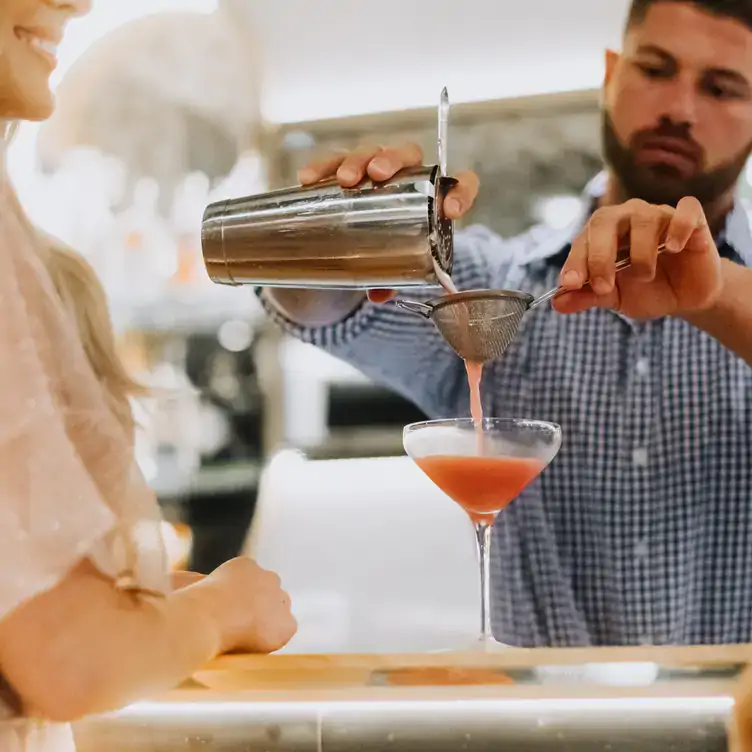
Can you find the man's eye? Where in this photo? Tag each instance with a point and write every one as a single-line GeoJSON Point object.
{"type": "Point", "coordinates": [652, 71]}
{"type": "Point", "coordinates": [717, 91]}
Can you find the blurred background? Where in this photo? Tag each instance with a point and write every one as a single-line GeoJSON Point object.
{"type": "Point", "coordinates": [166, 106]}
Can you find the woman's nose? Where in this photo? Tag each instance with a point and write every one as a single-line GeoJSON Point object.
{"type": "Point", "coordinates": [74, 7]}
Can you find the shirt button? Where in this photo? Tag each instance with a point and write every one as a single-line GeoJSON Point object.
{"type": "Point", "coordinates": [642, 367]}
{"type": "Point", "coordinates": [640, 457]}
{"type": "Point", "coordinates": [641, 549]}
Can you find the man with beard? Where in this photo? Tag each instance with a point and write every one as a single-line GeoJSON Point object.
{"type": "Point", "coordinates": [641, 529]}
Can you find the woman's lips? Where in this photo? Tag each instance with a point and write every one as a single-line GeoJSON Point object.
{"type": "Point", "coordinates": [40, 43]}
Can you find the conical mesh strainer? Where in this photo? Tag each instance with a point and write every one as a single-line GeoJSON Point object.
{"type": "Point", "coordinates": [481, 324]}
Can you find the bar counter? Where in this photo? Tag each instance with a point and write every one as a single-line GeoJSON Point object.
{"type": "Point", "coordinates": [605, 699]}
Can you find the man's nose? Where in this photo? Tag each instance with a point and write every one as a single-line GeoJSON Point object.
{"type": "Point", "coordinates": [680, 102]}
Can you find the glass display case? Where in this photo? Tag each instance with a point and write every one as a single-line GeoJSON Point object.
{"type": "Point", "coordinates": [589, 700]}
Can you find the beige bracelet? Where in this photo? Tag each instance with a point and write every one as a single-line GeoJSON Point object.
{"type": "Point", "coordinates": [126, 583]}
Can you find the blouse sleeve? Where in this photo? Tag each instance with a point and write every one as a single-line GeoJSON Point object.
{"type": "Point", "coordinates": [51, 511]}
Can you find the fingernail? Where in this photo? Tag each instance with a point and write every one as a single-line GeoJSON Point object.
{"type": "Point", "coordinates": [672, 245]}
{"type": "Point", "coordinates": [347, 174]}
{"type": "Point", "coordinates": [601, 286]}
{"type": "Point", "coordinates": [306, 175]}
{"type": "Point", "coordinates": [571, 278]}
{"type": "Point", "coordinates": [380, 164]}
{"type": "Point", "coordinates": [452, 206]}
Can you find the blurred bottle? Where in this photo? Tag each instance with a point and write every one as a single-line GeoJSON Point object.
{"type": "Point", "coordinates": [147, 245]}
{"type": "Point", "coordinates": [191, 197]}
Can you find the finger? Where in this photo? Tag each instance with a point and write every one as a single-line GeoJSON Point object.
{"type": "Point", "coordinates": [575, 269]}
{"type": "Point", "coordinates": [354, 166]}
{"type": "Point", "coordinates": [273, 580]}
{"type": "Point", "coordinates": [645, 231]}
{"type": "Point", "coordinates": [460, 199]}
{"type": "Point", "coordinates": [320, 169]}
{"type": "Point", "coordinates": [576, 301]}
{"type": "Point", "coordinates": [182, 579]}
{"type": "Point", "coordinates": [289, 631]}
{"type": "Point", "coordinates": [688, 223]}
{"type": "Point", "coordinates": [603, 241]}
{"type": "Point", "coordinates": [381, 296]}
{"type": "Point", "coordinates": [390, 160]}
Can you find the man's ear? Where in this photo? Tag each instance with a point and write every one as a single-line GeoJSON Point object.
{"type": "Point", "coordinates": [612, 60]}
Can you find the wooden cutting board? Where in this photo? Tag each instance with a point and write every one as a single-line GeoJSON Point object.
{"type": "Point", "coordinates": [338, 671]}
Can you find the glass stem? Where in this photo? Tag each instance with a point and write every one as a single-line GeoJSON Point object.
{"type": "Point", "coordinates": [483, 536]}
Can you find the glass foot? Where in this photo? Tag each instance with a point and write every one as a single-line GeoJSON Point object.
{"type": "Point", "coordinates": [487, 645]}
{"type": "Point", "coordinates": [481, 645]}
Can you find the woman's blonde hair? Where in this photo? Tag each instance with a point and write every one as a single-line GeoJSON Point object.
{"type": "Point", "coordinates": [84, 296]}
{"type": "Point", "coordinates": [82, 293]}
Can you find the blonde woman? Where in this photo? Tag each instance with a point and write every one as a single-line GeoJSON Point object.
{"type": "Point", "coordinates": [88, 621]}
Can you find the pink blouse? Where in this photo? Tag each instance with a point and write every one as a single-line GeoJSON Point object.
{"type": "Point", "coordinates": [69, 484]}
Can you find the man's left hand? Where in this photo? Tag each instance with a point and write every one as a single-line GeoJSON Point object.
{"type": "Point", "coordinates": [686, 278]}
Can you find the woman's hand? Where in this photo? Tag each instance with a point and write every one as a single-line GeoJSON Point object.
{"type": "Point", "coordinates": [182, 579]}
{"type": "Point", "coordinates": [251, 609]}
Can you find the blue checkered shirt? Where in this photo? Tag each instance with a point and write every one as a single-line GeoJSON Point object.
{"type": "Point", "coordinates": [641, 530]}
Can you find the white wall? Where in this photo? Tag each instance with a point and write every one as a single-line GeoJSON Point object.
{"type": "Point", "coordinates": [330, 58]}
{"type": "Point", "coordinates": [105, 16]}
{"type": "Point", "coordinates": [338, 57]}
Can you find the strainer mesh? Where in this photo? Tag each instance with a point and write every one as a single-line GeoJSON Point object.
{"type": "Point", "coordinates": [480, 328]}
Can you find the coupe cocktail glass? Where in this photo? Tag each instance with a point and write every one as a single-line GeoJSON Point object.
{"type": "Point", "coordinates": [483, 466]}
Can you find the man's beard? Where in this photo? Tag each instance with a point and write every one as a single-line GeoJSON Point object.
{"type": "Point", "coordinates": [662, 184]}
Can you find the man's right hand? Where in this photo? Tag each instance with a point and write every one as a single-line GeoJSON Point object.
{"type": "Point", "coordinates": [380, 163]}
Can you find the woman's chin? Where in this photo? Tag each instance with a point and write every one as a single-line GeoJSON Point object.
{"type": "Point", "coordinates": [34, 106]}
{"type": "Point", "coordinates": [36, 113]}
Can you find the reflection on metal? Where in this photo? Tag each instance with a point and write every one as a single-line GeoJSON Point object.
{"type": "Point", "coordinates": [651, 725]}
{"type": "Point", "coordinates": [586, 725]}
{"type": "Point", "coordinates": [392, 234]}
{"type": "Point", "coordinates": [207, 726]}
{"type": "Point", "coordinates": [588, 707]}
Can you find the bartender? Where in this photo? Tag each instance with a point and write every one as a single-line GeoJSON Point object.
{"type": "Point", "coordinates": [641, 530]}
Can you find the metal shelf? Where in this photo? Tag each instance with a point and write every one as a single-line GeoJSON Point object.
{"type": "Point", "coordinates": [186, 311]}
{"type": "Point", "coordinates": [226, 478]}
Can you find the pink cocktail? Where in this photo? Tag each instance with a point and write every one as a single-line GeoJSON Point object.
{"type": "Point", "coordinates": [482, 486]}
{"type": "Point", "coordinates": [482, 466]}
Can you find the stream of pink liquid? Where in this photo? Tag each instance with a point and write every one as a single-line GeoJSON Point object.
{"type": "Point", "coordinates": [474, 372]}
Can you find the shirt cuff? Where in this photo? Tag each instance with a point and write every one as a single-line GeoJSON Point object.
{"type": "Point", "coordinates": [328, 337]}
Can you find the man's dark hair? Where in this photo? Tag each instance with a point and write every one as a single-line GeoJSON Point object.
{"type": "Point", "coordinates": [741, 10]}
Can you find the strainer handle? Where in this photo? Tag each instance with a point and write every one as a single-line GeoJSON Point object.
{"type": "Point", "coordinates": [424, 310]}
{"type": "Point", "coordinates": [623, 261]}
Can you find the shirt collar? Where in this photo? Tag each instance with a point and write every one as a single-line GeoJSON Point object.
{"type": "Point", "coordinates": [737, 231]}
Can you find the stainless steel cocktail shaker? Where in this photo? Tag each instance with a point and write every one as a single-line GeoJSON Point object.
{"type": "Point", "coordinates": [376, 235]}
